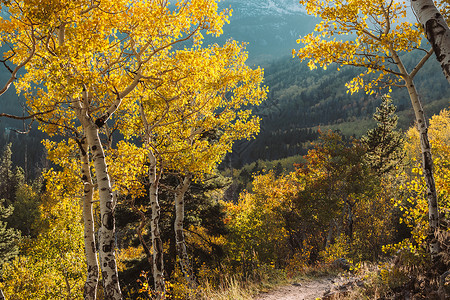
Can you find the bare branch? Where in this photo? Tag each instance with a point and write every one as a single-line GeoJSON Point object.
{"type": "Point", "coordinates": [24, 117]}
{"type": "Point", "coordinates": [421, 63]}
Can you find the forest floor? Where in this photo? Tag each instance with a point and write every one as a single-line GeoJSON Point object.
{"type": "Point", "coordinates": [311, 289]}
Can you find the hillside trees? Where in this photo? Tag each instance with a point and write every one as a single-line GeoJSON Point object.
{"type": "Point", "coordinates": [8, 180]}
{"type": "Point", "coordinates": [379, 37]}
{"type": "Point", "coordinates": [89, 57]}
{"type": "Point", "coordinates": [15, 191]}
{"type": "Point", "coordinates": [337, 182]}
{"type": "Point", "coordinates": [258, 231]}
{"type": "Point", "coordinates": [333, 205]}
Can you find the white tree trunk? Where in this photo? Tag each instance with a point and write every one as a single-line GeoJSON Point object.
{"type": "Point", "coordinates": [186, 269]}
{"type": "Point", "coordinates": [90, 286]}
{"type": "Point", "coordinates": [427, 166]}
{"type": "Point", "coordinates": [157, 245]}
{"type": "Point", "coordinates": [427, 160]}
{"type": "Point", "coordinates": [437, 31]}
{"type": "Point", "coordinates": [108, 266]}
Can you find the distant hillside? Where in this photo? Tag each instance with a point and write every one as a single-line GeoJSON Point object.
{"type": "Point", "coordinates": [301, 100]}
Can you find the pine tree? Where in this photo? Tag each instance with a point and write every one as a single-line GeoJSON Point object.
{"type": "Point", "coordinates": [384, 144]}
{"type": "Point", "coordinates": [8, 236]}
{"type": "Point", "coordinates": [6, 174]}
{"type": "Point", "coordinates": [15, 191]}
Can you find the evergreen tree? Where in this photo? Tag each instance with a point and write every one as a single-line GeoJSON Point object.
{"type": "Point", "coordinates": [15, 191]}
{"type": "Point", "coordinates": [8, 236]}
{"type": "Point", "coordinates": [384, 143]}
{"type": "Point", "coordinates": [6, 174]}
{"type": "Point", "coordinates": [26, 209]}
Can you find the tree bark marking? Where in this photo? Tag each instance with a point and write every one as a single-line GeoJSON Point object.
{"type": "Point", "coordinates": [437, 31]}
{"type": "Point", "coordinates": [90, 286]}
{"type": "Point", "coordinates": [180, 192]}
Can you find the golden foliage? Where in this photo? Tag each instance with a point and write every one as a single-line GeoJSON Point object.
{"type": "Point", "coordinates": [51, 265]}
{"type": "Point", "coordinates": [415, 208]}
{"type": "Point", "coordinates": [360, 33]}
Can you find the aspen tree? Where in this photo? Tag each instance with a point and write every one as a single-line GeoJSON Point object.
{"type": "Point", "coordinates": [228, 88]}
{"type": "Point", "coordinates": [180, 193]}
{"type": "Point", "coordinates": [90, 248]}
{"type": "Point", "coordinates": [379, 36]}
{"type": "Point", "coordinates": [154, 176]}
{"type": "Point", "coordinates": [189, 121]}
{"type": "Point", "coordinates": [86, 58]}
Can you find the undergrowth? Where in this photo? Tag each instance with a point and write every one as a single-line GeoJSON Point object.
{"type": "Point", "coordinates": [390, 280]}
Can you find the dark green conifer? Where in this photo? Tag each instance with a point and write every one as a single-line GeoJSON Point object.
{"type": "Point", "coordinates": [384, 144]}
{"type": "Point", "coordinates": [6, 174]}
{"type": "Point", "coordinates": [8, 236]}
{"type": "Point", "coordinates": [14, 191]}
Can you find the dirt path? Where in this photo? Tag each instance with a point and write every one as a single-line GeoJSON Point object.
{"type": "Point", "coordinates": [304, 290]}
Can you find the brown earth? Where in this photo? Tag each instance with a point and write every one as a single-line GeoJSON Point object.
{"type": "Point", "coordinates": [309, 289]}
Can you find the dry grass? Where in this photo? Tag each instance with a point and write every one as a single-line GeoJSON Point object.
{"type": "Point", "coordinates": [235, 288]}
{"type": "Point", "coordinates": [231, 289]}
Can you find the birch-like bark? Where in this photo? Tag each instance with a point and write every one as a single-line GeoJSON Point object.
{"type": "Point", "coordinates": [91, 140]}
{"type": "Point", "coordinates": [437, 31]}
{"type": "Point", "coordinates": [110, 278]}
{"type": "Point", "coordinates": [141, 226]}
{"type": "Point", "coordinates": [108, 264]}
{"type": "Point", "coordinates": [186, 269]}
{"type": "Point", "coordinates": [427, 166]}
{"type": "Point", "coordinates": [427, 160]}
{"type": "Point", "coordinates": [157, 245]}
{"type": "Point", "coordinates": [90, 286]}
{"type": "Point", "coordinates": [158, 262]}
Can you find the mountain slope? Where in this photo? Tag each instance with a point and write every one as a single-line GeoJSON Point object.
{"type": "Point", "coordinates": [300, 101]}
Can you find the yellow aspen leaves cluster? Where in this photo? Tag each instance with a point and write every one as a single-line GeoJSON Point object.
{"type": "Point", "coordinates": [116, 49]}
{"type": "Point", "coordinates": [97, 45]}
{"type": "Point", "coordinates": [257, 226]}
{"type": "Point", "coordinates": [414, 210]}
{"type": "Point", "coordinates": [106, 46]}
{"type": "Point", "coordinates": [200, 109]}
{"type": "Point", "coordinates": [359, 33]}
